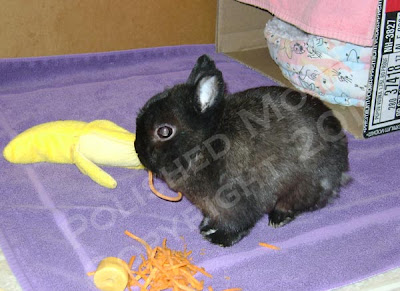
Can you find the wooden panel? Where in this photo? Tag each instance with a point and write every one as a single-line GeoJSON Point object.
{"type": "Point", "coordinates": [53, 27]}
{"type": "Point", "coordinates": [240, 26]}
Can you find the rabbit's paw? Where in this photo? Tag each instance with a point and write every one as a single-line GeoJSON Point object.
{"type": "Point", "coordinates": [278, 218]}
{"type": "Point", "coordinates": [220, 237]}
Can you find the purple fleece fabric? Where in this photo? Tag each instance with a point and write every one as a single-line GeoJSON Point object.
{"type": "Point", "coordinates": [56, 224]}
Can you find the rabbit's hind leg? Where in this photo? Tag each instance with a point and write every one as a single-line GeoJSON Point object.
{"type": "Point", "coordinates": [302, 197]}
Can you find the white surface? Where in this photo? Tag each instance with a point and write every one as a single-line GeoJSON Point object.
{"type": "Point", "coordinates": [7, 279]}
{"type": "Point", "coordinates": [388, 281]}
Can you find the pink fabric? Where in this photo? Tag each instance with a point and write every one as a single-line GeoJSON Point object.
{"type": "Point", "coordinates": [346, 20]}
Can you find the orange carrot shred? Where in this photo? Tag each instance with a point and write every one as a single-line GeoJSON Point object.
{"type": "Point", "coordinates": [233, 289]}
{"type": "Point", "coordinates": [162, 196]}
{"type": "Point", "coordinates": [201, 270]}
{"type": "Point", "coordinates": [146, 245]}
{"type": "Point", "coordinates": [90, 273]}
{"type": "Point", "coordinates": [269, 246]}
{"type": "Point", "coordinates": [131, 261]}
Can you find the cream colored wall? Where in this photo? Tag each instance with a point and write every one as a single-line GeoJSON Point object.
{"type": "Point", "coordinates": [54, 27]}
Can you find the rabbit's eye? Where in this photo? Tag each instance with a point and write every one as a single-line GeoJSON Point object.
{"type": "Point", "coordinates": [165, 132]}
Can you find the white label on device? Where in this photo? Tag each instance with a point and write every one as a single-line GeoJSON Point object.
{"type": "Point", "coordinates": [382, 109]}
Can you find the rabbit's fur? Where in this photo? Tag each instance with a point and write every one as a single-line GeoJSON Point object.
{"type": "Point", "coordinates": [267, 150]}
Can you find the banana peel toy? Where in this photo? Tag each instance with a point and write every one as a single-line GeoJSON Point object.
{"type": "Point", "coordinates": [100, 142]}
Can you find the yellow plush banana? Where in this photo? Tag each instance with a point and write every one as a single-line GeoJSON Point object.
{"type": "Point", "coordinates": [75, 142]}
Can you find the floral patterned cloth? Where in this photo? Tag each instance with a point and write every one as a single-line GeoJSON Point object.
{"type": "Point", "coordinates": [334, 71]}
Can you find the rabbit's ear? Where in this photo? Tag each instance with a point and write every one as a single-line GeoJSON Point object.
{"type": "Point", "coordinates": [203, 66]}
{"type": "Point", "coordinates": [209, 84]}
{"type": "Point", "coordinates": [207, 92]}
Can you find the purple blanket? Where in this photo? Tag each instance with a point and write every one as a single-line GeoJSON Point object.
{"type": "Point", "coordinates": [56, 224]}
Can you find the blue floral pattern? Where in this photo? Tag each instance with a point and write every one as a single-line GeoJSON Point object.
{"type": "Point", "coordinates": [334, 71]}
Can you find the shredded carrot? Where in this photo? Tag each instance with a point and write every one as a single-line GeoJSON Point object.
{"type": "Point", "coordinates": [233, 289]}
{"type": "Point", "coordinates": [90, 273]}
{"type": "Point", "coordinates": [162, 196]}
{"type": "Point", "coordinates": [166, 268]}
{"type": "Point", "coordinates": [269, 246]}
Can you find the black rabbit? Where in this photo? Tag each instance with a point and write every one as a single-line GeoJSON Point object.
{"type": "Point", "coordinates": [237, 157]}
